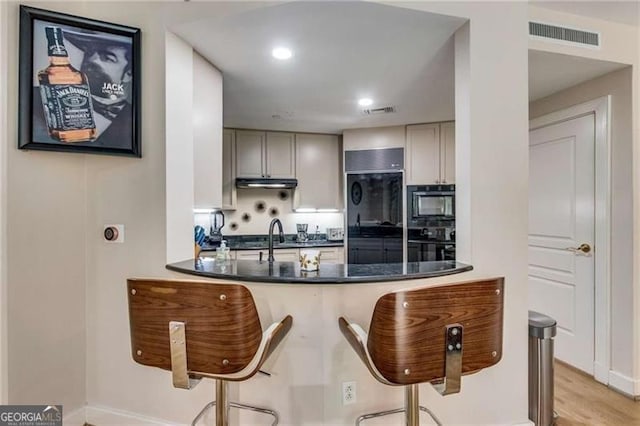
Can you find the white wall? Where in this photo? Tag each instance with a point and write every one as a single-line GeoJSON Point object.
{"type": "Point", "coordinates": [259, 222]}
{"type": "Point", "coordinates": [45, 206]}
{"type": "Point", "coordinates": [132, 191]}
{"type": "Point", "coordinates": [620, 43]}
{"type": "Point", "coordinates": [4, 141]}
{"type": "Point", "coordinates": [618, 85]}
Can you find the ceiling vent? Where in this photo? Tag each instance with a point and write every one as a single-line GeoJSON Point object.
{"type": "Point", "coordinates": [383, 110]}
{"type": "Point", "coordinates": [564, 34]}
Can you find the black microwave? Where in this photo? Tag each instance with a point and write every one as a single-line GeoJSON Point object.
{"type": "Point", "coordinates": [431, 201]}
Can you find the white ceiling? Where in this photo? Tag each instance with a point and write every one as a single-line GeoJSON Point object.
{"type": "Point", "coordinates": [342, 51]}
{"type": "Point", "coordinates": [552, 72]}
{"type": "Point", "coordinates": [624, 12]}
{"type": "Point", "coordinates": [347, 50]}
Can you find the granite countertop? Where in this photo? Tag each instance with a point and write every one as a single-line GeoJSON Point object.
{"type": "Point", "coordinates": [260, 242]}
{"type": "Point", "coordinates": [289, 272]}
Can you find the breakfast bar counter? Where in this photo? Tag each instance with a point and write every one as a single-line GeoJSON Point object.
{"type": "Point", "coordinates": [308, 368]}
{"type": "Point", "coordinates": [289, 272]}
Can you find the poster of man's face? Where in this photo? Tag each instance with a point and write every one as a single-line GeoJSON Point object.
{"type": "Point", "coordinates": [82, 87]}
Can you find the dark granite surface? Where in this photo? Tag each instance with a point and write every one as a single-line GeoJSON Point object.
{"type": "Point", "coordinates": [289, 272]}
{"type": "Point", "coordinates": [259, 242]}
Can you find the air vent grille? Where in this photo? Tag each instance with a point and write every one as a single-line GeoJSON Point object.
{"type": "Point", "coordinates": [565, 34]}
{"type": "Point", "coordinates": [383, 110]}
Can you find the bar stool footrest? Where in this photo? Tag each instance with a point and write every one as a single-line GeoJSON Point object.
{"type": "Point", "coordinates": [212, 404]}
{"type": "Point", "coordinates": [397, 410]}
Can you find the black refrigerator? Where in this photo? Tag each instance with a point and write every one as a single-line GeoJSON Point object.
{"type": "Point", "coordinates": [374, 200]}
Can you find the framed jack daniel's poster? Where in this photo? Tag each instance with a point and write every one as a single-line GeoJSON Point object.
{"type": "Point", "coordinates": [79, 84]}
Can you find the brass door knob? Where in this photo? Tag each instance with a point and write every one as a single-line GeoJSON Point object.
{"type": "Point", "coordinates": [584, 248]}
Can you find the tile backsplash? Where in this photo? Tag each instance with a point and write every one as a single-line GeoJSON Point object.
{"type": "Point", "coordinates": [254, 214]}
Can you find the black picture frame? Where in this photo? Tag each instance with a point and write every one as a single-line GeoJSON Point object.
{"type": "Point", "coordinates": [108, 56]}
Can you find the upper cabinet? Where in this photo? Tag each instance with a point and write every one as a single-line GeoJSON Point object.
{"type": "Point", "coordinates": [280, 155]}
{"type": "Point", "coordinates": [448, 152]}
{"type": "Point", "coordinates": [229, 196]}
{"type": "Point", "coordinates": [319, 172]}
{"type": "Point", "coordinates": [430, 153]}
{"type": "Point", "coordinates": [250, 148]}
{"type": "Point", "coordinates": [374, 138]}
{"type": "Point", "coordinates": [265, 154]}
{"type": "Point", "coordinates": [207, 134]}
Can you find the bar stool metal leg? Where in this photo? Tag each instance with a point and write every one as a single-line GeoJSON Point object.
{"type": "Point", "coordinates": [412, 405]}
{"type": "Point", "coordinates": [201, 413]}
{"type": "Point", "coordinates": [257, 409]}
{"type": "Point", "coordinates": [222, 403]}
{"type": "Point", "coordinates": [433, 416]}
{"type": "Point", "coordinates": [377, 414]}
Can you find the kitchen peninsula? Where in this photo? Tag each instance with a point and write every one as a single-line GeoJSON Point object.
{"type": "Point", "coordinates": [290, 273]}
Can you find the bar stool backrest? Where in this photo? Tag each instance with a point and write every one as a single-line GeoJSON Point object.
{"type": "Point", "coordinates": [222, 326]}
{"type": "Point", "coordinates": [408, 330]}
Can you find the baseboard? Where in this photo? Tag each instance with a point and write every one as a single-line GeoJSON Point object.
{"type": "Point", "coordinates": [601, 373]}
{"type": "Point", "coordinates": [624, 384]}
{"type": "Point", "coordinates": [105, 416]}
{"type": "Point", "coordinates": [75, 418]}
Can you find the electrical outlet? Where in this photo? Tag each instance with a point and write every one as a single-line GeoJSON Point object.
{"type": "Point", "coordinates": [349, 395]}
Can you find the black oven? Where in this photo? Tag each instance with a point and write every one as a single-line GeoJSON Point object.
{"type": "Point", "coordinates": [431, 243]}
{"type": "Point", "coordinates": [431, 223]}
{"type": "Point", "coordinates": [431, 202]}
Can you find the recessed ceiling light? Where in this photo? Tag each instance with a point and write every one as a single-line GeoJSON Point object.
{"type": "Point", "coordinates": [281, 53]}
{"type": "Point", "coordinates": [365, 102]}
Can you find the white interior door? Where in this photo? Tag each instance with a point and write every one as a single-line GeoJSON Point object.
{"type": "Point", "coordinates": [561, 219]}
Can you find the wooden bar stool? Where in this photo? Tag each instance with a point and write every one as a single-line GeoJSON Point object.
{"type": "Point", "coordinates": [200, 329]}
{"type": "Point", "coordinates": [430, 335]}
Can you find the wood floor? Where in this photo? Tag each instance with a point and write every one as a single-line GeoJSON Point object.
{"type": "Point", "coordinates": [580, 400]}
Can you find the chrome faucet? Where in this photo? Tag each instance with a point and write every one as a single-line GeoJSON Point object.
{"type": "Point", "coordinates": [274, 222]}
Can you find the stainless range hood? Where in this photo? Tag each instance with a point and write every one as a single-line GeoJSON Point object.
{"type": "Point", "coordinates": [266, 183]}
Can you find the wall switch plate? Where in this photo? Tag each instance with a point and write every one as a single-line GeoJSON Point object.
{"type": "Point", "coordinates": [349, 395]}
{"type": "Point", "coordinates": [113, 233]}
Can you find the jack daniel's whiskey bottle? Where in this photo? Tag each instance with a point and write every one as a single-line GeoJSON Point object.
{"type": "Point", "coordinates": [65, 95]}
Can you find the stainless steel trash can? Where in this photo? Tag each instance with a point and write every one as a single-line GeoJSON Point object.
{"type": "Point", "coordinates": [542, 330]}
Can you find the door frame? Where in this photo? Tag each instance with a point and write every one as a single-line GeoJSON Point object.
{"type": "Point", "coordinates": [601, 108]}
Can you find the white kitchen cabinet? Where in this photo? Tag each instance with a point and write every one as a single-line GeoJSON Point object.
{"type": "Point", "coordinates": [374, 138]}
{"type": "Point", "coordinates": [280, 155]}
{"type": "Point", "coordinates": [319, 172]}
{"type": "Point", "coordinates": [229, 192]}
{"type": "Point", "coordinates": [448, 151]}
{"type": "Point", "coordinates": [331, 255]}
{"type": "Point", "coordinates": [430, 153]}
{"type": "Point", "coordinates": [286, 255]}
{"type": "Point", "coordinates": [250, 147]}
{"type": "Point", "coordinates": [207, 135]}
{"type": "Point", "coordinates": [265, 154]}
{"type": "Point", "coordinates": [212, 254]}
{"type": "Point", "coordinates": [250, 254]}
{"type": "Point", "coordinates": [280, 255]}
{"type": "Point", "coordinates": [328, 255]}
